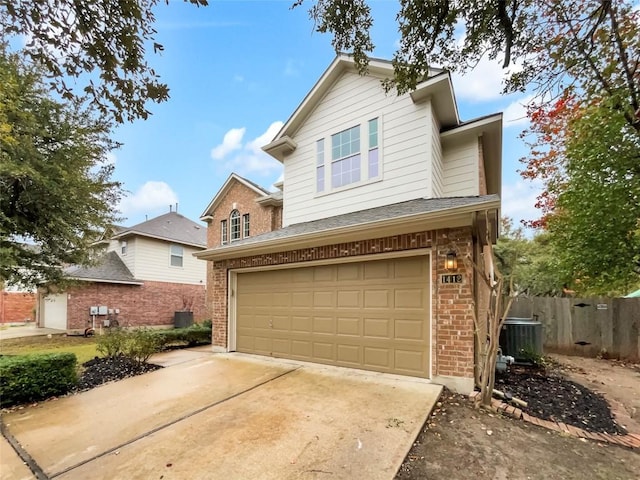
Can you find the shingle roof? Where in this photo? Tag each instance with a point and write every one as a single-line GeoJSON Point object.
{"type": "Point", "coordinates": [172, 227]}
{"type": "Point", "coordinates": [387, 212]}
{"type": "Point", "coordinates": [110, 268]}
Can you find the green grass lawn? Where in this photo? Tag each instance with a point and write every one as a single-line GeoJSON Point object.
{"type": "Point", "coordinates": [84, 348]}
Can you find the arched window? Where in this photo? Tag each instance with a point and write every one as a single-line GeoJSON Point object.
{"type": "Point", "coordinates": [234, 220]}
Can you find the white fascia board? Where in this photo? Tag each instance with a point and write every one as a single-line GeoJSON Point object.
{"type": "Point", "coordinates": [218, 196]}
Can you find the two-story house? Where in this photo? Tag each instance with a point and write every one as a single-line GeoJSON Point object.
{"type": "Point", "coordinates": [146, 274]}
{"type": "Point", "coordinates": [383, 198]}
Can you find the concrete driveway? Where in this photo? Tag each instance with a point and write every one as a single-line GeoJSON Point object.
{"type": "Point", "coordinates": [226, 416]}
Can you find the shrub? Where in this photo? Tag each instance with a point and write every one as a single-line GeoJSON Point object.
{"type": "Point", "coordinates": [29, 378]}
{"type": "Point", "coordinates": [191, 336]}
{"type": "Point", "coordinates": [140, 344]}
{"type": "Point", "coordinates": [112, 343]}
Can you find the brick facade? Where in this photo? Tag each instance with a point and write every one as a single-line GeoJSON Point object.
{"type": "Point", "coordinates": [150, 304]}
{"type": "Point", "coordinates": [17, 307]}
{"type": "Point", "coordinates": [452, 304]}
{"type": "Point", "coordinates": [261, 220]}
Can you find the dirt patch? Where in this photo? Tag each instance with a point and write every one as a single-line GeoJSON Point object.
{"type": "Point", "coordinates": [618, 381]}
{"type": "Point", "coordinates": [462, 443]}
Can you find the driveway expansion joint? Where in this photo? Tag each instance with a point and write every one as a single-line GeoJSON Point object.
{"type": "Point", "coordinates": [168, 424]}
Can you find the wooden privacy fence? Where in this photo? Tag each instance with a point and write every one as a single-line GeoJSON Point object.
{"type": "Point", "coordinates": [585, 326]}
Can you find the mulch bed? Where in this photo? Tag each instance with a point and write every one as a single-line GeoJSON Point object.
{"type": "Point", "coordinates": [550, 396]}
{"type": "Point", "coordinates": [107, 369]}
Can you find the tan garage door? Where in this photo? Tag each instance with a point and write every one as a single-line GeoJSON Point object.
{"type": "Point", "coordinates": [372, 315]}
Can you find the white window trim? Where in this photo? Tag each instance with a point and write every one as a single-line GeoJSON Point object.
{"type": "Point", "coordinates": [171, 255]}
{"type": "Point", "coordinates": [364, 156]}
{"type": "Point", "coordinates": [246, 222]}
{"type": "Point", "coordinates": [231, 239]}
{"type": "Point", "coordinates": [224, 232]}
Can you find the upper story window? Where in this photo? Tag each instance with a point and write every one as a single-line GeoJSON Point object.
{"type": "Point", "coordinates": [245, 225]}
{"type": "Point", "coordinates": [223, 232]}
{"type": "Point", "coordinates": [123, 247]}
{"type": "Point", "coordinates": [320, 165]}
{"type": "Point", "coordinates": [345, 157]}
{"type": "Point", "coordinates": [373, 148]}
{"type": "Point", "coordinates": [354, 156]}
{"type": "Point", "coordinates": [234, 220]}
{"type": "Point", "coordinates": [177, 254]}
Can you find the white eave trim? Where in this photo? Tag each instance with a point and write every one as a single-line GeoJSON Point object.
{"type": "Point", "coordinates": [494, 121]}
{"type": "Point", "coordinates": [225, 186]}
{"type": "Point", "coordinates": [164, 239]}
{"type": "Point", "coordinates": [281, 147]}
{"type": "Point", "coordinates": [451, 217]}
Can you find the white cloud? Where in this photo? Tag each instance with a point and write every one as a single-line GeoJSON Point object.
{"type": "Point", "coordinates": [519, 199]}
{"type": "Point", "coordinates": [248, 158]}
{"type": "Point", "coordinates": [484, 82]}
{"type": "Point", "coordinates": [516, 113]}
{"type": "Point", "coordinates": [232, 141]}
{"type": "Point", "coordinates": [150, 197]}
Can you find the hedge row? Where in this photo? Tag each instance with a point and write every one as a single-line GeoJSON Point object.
{"type": "Point", "coordinates": [192, 336]}
{"type": "Point", "coordinates": [31, 378]}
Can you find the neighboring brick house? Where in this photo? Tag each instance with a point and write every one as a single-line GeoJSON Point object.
{"type": "Point", "coordinates": [17, 305]}
{"type": "Point", "coordinates": [147, 273]}
{"type": "Point", "coordinates": [383, 198]}
{"type": "Point", "coordinates": [239, 210]}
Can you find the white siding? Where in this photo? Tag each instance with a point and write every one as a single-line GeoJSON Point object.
{"type": "Point", "coordinates": [460, 166]}
{"type": "Point", "coordinates": [152, 263]}
{"type": "Point", "coordinates": [436, 162]}
{"type": "Point", "coordinates": [404, 138]}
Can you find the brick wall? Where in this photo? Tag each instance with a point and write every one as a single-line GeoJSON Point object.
{"type": "Point", "coordinates": [452, 304]}
{"type": "Point", "coordinates": [261, 220]}
{"type": "Point", "coordinates": [17, 307]}
{"type": "Point", "coordinates": [151, 304]}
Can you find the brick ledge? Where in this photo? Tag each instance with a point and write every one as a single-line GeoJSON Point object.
{"type": "Point", "coordinates": [629, 440]}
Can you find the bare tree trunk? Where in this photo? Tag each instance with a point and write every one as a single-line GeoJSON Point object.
{"type": "Point", "coordinates": [496, 314]}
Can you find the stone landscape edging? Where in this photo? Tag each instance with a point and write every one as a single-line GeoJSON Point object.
{"type": "Point", "coordinates": [630, 440]}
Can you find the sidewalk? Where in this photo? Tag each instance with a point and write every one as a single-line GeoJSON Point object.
{"type": "Point", "coordinates": [26, 330]}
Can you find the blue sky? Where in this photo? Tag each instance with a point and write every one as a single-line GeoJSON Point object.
{"type": "Point", "coordinates": [237, 70]}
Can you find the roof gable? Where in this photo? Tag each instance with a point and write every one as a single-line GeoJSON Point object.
{"type": "Point", "coordinates": [233, 179]}
{"type": "Point", "coordinates": [438, 87]}
{"type": "Point", "coordinates": [170, 227]}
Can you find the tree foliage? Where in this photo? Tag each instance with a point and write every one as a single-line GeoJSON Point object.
{"type": "Point", "coordinates": [529, 264]}
{"type": "Point", "coordinates": [550, 44]}
{"type": "Point", "coordinates": [56, 190]}
{"type": "Point", "coordinates": [99, 44]}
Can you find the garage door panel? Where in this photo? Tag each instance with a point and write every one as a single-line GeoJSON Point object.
{"type": "Point", "coordinates": [377, 298]}
{"type": "Point", "coordinates": [409, 298]}
{"type": "Point", "coordinates": [376, 270]}
{"type": "Point", "coordinates": [372, 315]}
{"type": "Point", "coordinates": [406, 329]}
{"type": "Point", "coordinates": [410, 269]}
{"type": "Point", "coordinates": [324, 299]}
{"type": "Point", "coordinates": [301, 299]}
{"type": "Point", "coordinates": [348, 326]}
{"type": "Point", "coordinates": [377, 327]}
{"type": "Point", "coordinates": [301, 324]}
{"type": "Point", "coordinates": [377, 358]}
{"type": "Point", "coordinates": [324, 351]}
{"type": "Point", "coordinates": [348, 299]}
{"type": "Point", "coordinates": [350, 354]}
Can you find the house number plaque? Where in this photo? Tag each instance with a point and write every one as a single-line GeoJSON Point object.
{"type": "Point", "coordinates": [456, 278]}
